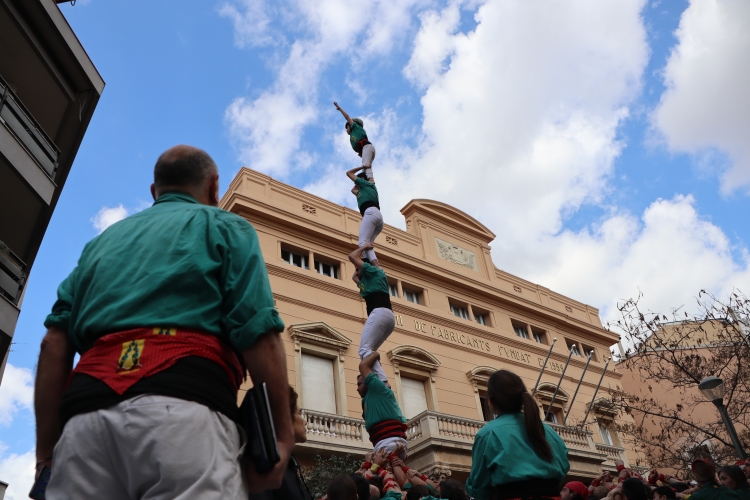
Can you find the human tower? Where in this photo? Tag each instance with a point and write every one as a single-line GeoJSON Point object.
{"type": "Point", "coordinates": [383, 418]}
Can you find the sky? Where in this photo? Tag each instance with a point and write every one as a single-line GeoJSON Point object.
{"type": "Point", "coordinates": [604, 143]}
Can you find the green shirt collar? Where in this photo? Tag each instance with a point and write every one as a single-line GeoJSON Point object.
{"type": "Point", "coordinates": [176, 196]}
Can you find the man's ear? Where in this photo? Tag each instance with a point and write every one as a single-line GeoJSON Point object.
{"type": "Point", "coordinates": [153, 191]}
{"type": "Point", "coordinates": [213, 190]}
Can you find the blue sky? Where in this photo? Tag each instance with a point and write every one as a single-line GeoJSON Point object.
{"type": "Point", "coordinates": [603, 142]}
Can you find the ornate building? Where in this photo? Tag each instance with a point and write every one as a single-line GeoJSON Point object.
{"type": "Point", "coordinates": [458, 319]}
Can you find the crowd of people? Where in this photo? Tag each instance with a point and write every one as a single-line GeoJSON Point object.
{"type": "Point", "coordinates": [170, 308]}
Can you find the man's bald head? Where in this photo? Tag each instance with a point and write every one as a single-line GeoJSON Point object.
{"type": "Point", "coordinates": [185, 169]}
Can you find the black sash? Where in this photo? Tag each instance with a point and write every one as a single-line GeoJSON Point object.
{"type": "Point", "coordinates": [530, 488]}
{"type": "Point", "coordinates": [364, 206]}
{"type": "Point", "coordinates": [377, 299]}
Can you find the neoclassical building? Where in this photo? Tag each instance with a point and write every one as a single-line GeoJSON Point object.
{"type": "Point", "coordinates": [458, 319]}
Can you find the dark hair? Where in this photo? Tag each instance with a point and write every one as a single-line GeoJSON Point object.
{"type": "Point", "coordinates": [508, 394]}
{"type": "Point", "coordinates": [451, 490]}
{"type": "Point", "coordinates": [292, 401]}
{"type": "Point", "coordinates": [703, 471]}
{"type": "Point", "coordinates": [417, 491]}
{"type": "Point", "coordinates": [363, 487]}
{"type": "Point", "coordinates": [737, 475]}
{"type": "Point", "coordinates": [665, 491]}
{"type": "Point", "coordinates": [185, 169]}
{"type": "Point", "coordinates": [634, 489]}
{"type": "Point", "coordinates": [376, 481]}
{"type": "Point", "coordinates": [342, 488]}
{"type": "Point", "coordinates": [362, 175]}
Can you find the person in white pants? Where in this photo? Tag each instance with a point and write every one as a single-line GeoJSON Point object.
{"type": "Point", "coordinates": [368, 202]}
{"type": "Point", "coordinates": [373, 286]}
{"type": "Point", "coordinates": [359, 141]}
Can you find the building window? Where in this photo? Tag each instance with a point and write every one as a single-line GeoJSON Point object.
{"type": "Point", "coordinates": [572, 346]}
{"type": "Point", "coordinates": [326, 269]}
{"type": "Point", "coordinates": [460, 312]}
{"type": "Point", "coordinates": [486, 411]}
{"type": "Point", "coordinates": [553, 416]}
{"type": "Point", "coordinates": [521, 329]}
{"type": "Point", "coordinates": [295, 258]}
{"type": "Point", "coordinates": [606, 434]}
{"type": "Point", "coordinates": [589, 349]}
{"type": "Point", "coordinates": [414, 397]}
{"type": "Point", "coordinates": [539, 336]}
{"type": "Point", "coordinates": [393, 289]}
{"type": "Point", "coordinates": [411, 296]}
{"type": "Point", "coordinates": [318, 383]}
{"type": "Point", "coordinates": [481, 319]}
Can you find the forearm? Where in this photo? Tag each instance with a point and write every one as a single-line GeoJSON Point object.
{"type": "Point", "coordinates": [53, 370]}
{"type": "Point", "coordinates": [266, 362]}
{"type": "Point", "coordinates": [365, 366]}
{"type": "Point", "coordinates": [345, 115]}
{"type": "Point", "coordinates": [351, 173]}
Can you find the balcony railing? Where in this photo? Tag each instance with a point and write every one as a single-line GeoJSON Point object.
{"type": "Point", "coordinates": [12, 274]}
{"type": "Point", "coordinates": [431, 428]}
{"type": "Point", "coordinates": [18, 119]}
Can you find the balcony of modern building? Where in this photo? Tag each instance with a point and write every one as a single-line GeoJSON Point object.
{"type": "Point", "coordinates": [439, 443]}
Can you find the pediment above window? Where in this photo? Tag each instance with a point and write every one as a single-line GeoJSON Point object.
{"type": "Point", "coordinates": [413, 356]}
{"type": "Point", "coordinates": [319, 333]}
{"type": "Point", "coordinates": [480, 375]}
{"type": "Point", "coordinates": [545, 391]}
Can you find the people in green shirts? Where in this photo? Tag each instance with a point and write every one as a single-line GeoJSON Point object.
{"type": "Point", "coordinates": [384, 421]}
{"type": "Point", "coordinates": [369, 206]}
{"type": "Point", "coordinates": [515, 455]}
{"type": "Point", "coordinates": [704, 473]}
{"type": "Point", "coordinates": [360, 144]}
{"type": "Point", "coordinates": [373, 287]}
{"type": "Point", "coordinates": [185, 285]}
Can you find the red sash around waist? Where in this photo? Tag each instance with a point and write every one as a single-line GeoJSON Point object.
{"type": "Point", "coordinates": [386, 429]}
{"type": "Point", "coordinates": [122, 359]}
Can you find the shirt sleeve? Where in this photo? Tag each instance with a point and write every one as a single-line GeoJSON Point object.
{"type": "Point", "coordinates": [247, 301]}
{"type": "Point", "coordinates": [369, 271]}
{"type": "Point", "coordinates": [479, 483]}
{"type": "Point", "coordinates": [360, 182]}
{"type": "Point", "coordinates": [61, 310]}
{"type": "Point", "coordinates": [374, 384]}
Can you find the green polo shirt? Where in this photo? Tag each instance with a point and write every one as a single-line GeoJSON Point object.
{"type": "Point", "coordinates": [356, 135]}
{"type": "Point", "coordinates": [714, 491]}
{"type": "Point", "coordinates": [176, 264]}
{"type": "Point", "coordinates": [503, 454]}
{"type": "Point", "coordinates": [379, 403]}
{"type": "Point", "coordinates": [372, 279]}
{"type": "Point", "coordinates": [367, 191]}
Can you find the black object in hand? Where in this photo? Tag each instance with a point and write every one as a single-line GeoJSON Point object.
{"type": "Point", "coordinates": [256, 418]}
{"type": "Point", "coordinates": [39, 489]}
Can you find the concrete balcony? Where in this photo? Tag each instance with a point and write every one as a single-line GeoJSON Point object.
{"type": "Point", "coordinates": [439, 443]}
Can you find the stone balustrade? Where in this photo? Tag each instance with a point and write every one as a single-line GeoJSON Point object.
{"type": "Point", "coordinates": [430, 429]}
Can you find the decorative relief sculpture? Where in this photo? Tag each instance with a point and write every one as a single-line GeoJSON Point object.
{"type": "Point", "coordinates": [309, 209]}
{"type": "Point", "coordinates": [456, 254]}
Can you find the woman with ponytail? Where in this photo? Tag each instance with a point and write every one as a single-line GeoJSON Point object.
{"type": "Point", "coordinates": [516, 455]}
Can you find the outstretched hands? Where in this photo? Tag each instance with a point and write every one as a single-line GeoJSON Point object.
{"type": "Point", "coordinates": [346, 116]}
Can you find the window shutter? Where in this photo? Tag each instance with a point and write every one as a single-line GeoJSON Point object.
{"type": "Point", "coordinates": [415, 399]}
{"type": "Point", "coordinates": [318, 389]}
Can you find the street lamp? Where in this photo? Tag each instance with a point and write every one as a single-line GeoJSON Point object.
{"type": "Point", "coordinates": [713, 389]}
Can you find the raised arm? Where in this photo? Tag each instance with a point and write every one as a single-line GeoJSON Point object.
{"type": "Point", "coordinates": [356, 256]}
{"type": "Point", "coordinates": [365, 366]}
{"type": "Point", "coordinates": [352, 174]}
{"type": "Point", "coordinates": [346, 116]}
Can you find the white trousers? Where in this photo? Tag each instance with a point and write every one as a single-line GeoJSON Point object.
{"type": "Point", "coordinates": [369, 229]}
{"type": "Point", "coordinates": [146, 448]}
{"type": "Point", "coordinates": [379, 325]}
{"type": "Point", "coordinates": [389, 444]}
{"type": "Point", "coordinates": [368, 156]}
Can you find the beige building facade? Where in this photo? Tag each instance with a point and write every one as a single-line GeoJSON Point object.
{"type": "Point", "coordinates": [458, 319]}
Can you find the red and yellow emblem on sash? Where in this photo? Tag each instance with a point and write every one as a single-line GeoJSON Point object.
{"type": "Point", "coordinates": [122, 359]}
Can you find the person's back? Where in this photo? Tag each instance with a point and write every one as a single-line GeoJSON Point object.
{"type": "Point", "coordinates": [159, 307]}
{"type": "Point", "coordinates": [515, 455]}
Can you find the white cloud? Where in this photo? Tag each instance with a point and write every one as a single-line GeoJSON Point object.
{"type": "Point", "coordinates": [267, 129]}
{"type": "Point", "coordinates": [706, 105]}
{"type": "Point", "coordinates": [108, 216]}
{"type": "Point", "coordinates": [251, 22]}
{"type": "Point", "coordinates": [18, 472]}
{"type": "Point", "coordinates": [16, 392]}
{"type": "Point", "coordinates": [519, 130]}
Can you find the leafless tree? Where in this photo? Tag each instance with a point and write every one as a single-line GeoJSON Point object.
{"type": "Point", "coordinates": [672, 355]}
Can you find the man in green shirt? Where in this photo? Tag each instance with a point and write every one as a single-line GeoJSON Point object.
{"type": "Point", "coordinates": [369, 206]}
{"type": "Point", "coordinates": [360, 144]}
{"type": "Point", "coordinates": [159, 307]}
{"type": "Point", "coordinates": [704, 473]}
{"type": "Point", "coordinates": [380, 411]}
